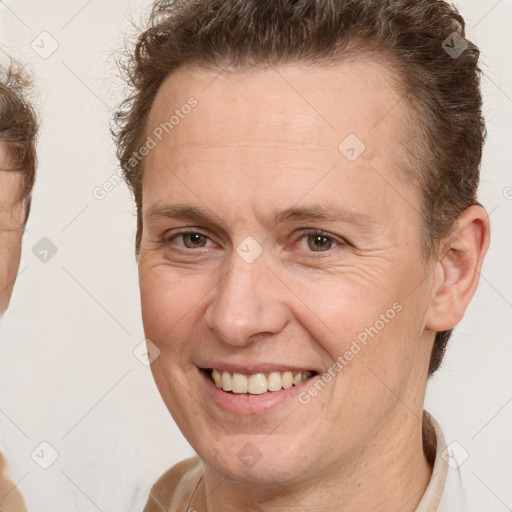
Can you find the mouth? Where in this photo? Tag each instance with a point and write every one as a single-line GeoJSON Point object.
{"type": "Point", "coordinates": [257, 383]}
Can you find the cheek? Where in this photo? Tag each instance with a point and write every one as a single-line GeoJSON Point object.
{"type": "Point", "coordinates": [339, 307]}
{"type": "Point", "coordinates": [370, 322]}
{"type": "Point", "coordinates": [169, 302]}
{"type": "Point", "coordinates": [9, 263]}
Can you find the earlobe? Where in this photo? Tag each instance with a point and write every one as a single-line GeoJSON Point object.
{"type": "Point", "coordinates": [457, 271]}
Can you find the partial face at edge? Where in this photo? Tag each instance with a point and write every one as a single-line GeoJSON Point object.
{"type": "Point", "coordinates": [252, 147]}
{"type": "Point", "coordinates": [11, 232]}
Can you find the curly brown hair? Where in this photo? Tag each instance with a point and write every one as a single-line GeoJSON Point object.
{"type": "Point", "coordinates": [446, 129]}
{"type": "Point", "coordinates": [18, 129]}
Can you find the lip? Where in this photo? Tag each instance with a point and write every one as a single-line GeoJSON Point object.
{"type": "Point", "coordinates": [254, 368]}
{"type": "Point", "coordinates": [246, 405]}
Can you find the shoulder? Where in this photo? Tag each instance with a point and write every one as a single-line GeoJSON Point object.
{"type": "Point", "coordinates": [175, 484]}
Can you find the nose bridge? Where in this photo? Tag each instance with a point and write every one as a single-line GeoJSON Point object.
{"type": "Point", "coordinates": [245, 302]}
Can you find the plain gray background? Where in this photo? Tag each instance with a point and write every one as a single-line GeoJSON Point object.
{"type": "Point", "coordinates": [68, 375]}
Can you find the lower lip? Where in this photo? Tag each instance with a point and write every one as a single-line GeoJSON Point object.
{"type": "Point", "coordinates": [239, 403]}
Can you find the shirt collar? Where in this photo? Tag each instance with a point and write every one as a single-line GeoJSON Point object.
{"type": "Point", "coordinates": [432, 496]}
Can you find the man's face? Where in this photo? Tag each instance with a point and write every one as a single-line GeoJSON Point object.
{"type": "Point", "coordinates": [253, 289]}
{"type": "Point", "coordinates": [11, 231]}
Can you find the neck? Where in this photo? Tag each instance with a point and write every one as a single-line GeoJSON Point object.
{"type": "Point", "coordinates": [391, 473]}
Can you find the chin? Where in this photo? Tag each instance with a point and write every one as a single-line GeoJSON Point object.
{"type": "Point", "coordinates": [257, 459]}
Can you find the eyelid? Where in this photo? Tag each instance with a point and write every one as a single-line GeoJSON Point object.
{"type": "Point", "coordinates": [303, 232]}
{"type": "Point", "coordinates": [311, 231]}
{"type": "Point", "coordinates": [185, 231]}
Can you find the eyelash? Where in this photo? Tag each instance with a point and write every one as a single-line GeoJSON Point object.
{"type": "Point", "coordinates": [307, 232]}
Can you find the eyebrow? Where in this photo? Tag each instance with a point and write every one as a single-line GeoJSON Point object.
{"type": "Point", "coordinates": [320, 213]}
{"type": "Point", "coordinates": [329, 214]}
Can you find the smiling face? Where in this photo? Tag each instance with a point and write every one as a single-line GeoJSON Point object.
{"type": "Point", "coordinates": [267, 248]}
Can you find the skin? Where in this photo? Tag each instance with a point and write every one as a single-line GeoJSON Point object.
{"type": "Point", "coordinates": [12, 217]}
{"type": "Point", "coordinates": [11, 232]}
{"type": "Point", "coordinates": [256, 144]}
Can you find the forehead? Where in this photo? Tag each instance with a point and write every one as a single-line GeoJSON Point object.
{"type": "Point", "coordinates": [356, 96]}
{"type": "Point", "coordinates": [289, 123]}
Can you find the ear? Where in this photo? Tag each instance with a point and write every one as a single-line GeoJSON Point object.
{"type": "Point", "coordinates": [457, 270]}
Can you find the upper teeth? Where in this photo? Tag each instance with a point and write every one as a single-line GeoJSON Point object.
{"type": "Point", "coordinates": [258, 383]}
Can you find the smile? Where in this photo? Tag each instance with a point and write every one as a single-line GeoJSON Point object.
{"type": "Point", "coordinates": [257, 383]}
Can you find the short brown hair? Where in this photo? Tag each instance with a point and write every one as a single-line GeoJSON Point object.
{"type": "Point", "coordinates": [445, 134]}
{"type": "Point", "coordinates": [18, 129]}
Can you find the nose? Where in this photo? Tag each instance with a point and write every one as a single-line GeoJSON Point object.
{"type": "Point", "coordinates": [246, 303]}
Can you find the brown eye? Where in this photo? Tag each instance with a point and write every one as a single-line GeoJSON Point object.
{"type": "Point", "coordinates": [193, 240]}
{"type": "Point", "coordinates": [319, 243]}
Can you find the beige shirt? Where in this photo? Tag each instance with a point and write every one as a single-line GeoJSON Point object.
{"type": "Point", "coordinates": [10, 498]}
{"type": "Point", "coordinates": [174, 489]}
